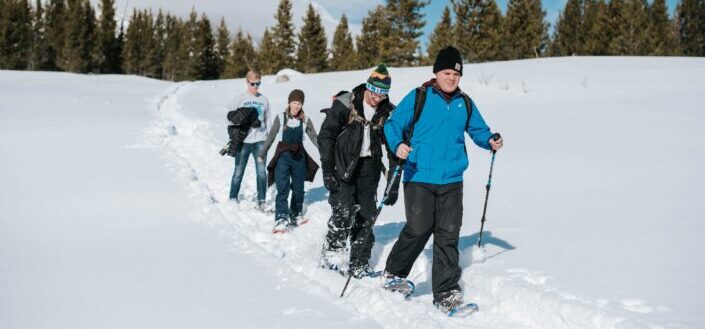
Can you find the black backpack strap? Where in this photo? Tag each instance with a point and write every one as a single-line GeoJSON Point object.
{"type": "Point", "coordinates": [419, 100]}
{"type": "Point", "coordinates": [285, 119]}
{"type": "Point", "coordinates": [468, 107]}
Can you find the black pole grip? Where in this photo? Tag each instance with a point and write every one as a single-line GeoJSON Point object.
{"type": "Point", "coordinates": [496, 137]}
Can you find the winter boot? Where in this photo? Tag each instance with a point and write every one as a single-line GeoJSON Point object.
{"type": "Point", "coordinates": [297, 221]}
{"type": "Point", "coordinates": [281, 226]}
{"type": "Point", "coordinates": [394, 283]}
{"type": "Point", "coordinates": [363, 271]}
{"type": "Point", "coordinates": [333, 260]}
{"type": "Point", "coordinates": [264, 207]}
{"type": "Point", "coordinates": [448, 301]}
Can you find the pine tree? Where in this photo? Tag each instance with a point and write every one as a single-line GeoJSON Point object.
{"type": "Point", "coordinates": [525, 31]}
{"type": "Point", "coordinates": [201, 48]}
{"type": "Point", "coordinates": [371, 40]}
{"type": "Point", "coordinates": [55, 12]}
{"type": "Point", "coordinates": [154, 56]}
{"type": "Point", "coordinates": [3, 20]}
{"type": "Point", "coordinates": [567, 39]}
{"type": "Point", "coordinates": [16, 32]}
{"type": "Point", "coordinates": [312, 55]}
{"type": "Point", "coordinates": [193, 67]}
{"type": "Point", "coordinates": [462, 29]}
{"type": "Point", "coordinates": [595, 29]}
{"type": "Point", "coordinates": [137, 36]}
{"type": "Point", "coordinates": [265, 63]}
{"type": "Point", "coordinates": [441, 37]}
{"type": "Point", "coordinates": [175, 52]}
{"type": "Point", "coordinates": [662, 32]}
{"type": "Point", "coordinates": [282, 36]}
{"type": "Point", "coordinates": [222, 48]}
{"type": "Point", "coordinates": [630, 25]}
{"type": "Point", "coordinates": [119, 45]}
{"type": "Point", "coordinates": [242, 56]}
{"type": "Point", "coordinates": [398, 47]}
{"type": "Point", "coordinates": [488, 34]}
{"type": "Point", "coordinates": [77, 52]}
{"type": "Point", "coordinates": [205, 46]}
{"type": "Point", "coordinates": [343, 52]}
{"type": "Point", "coordinates": [39, 59]}
{"type": "Point", "coordinates": [690, 22]}
{"type": "Point", "coordinates": [107, 52]}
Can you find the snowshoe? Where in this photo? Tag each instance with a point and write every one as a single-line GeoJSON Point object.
{"type": "Point", "coordinates": [264, 207]}
{"type": "Point", "coordinates": [463, 310]}
{"type": "Point", "coordinates": [359, 272]}
{"type": "Point", "coordinates": [298, 221]}
{"type": "Point", "coordinates": [394, 283]}
{"type": "Point", "coordinates": [451, 303]}
{"type": "Point", "coordinates": [333, 260]}
{"type": "Point", "coordinates": [281, 226]}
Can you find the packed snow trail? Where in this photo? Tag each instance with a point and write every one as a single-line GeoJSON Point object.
{"type": "Point", "coordinates": [508, 298]}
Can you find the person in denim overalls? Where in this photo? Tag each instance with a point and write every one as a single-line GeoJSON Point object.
{"type": "Point", "coordinates": [290, 165]}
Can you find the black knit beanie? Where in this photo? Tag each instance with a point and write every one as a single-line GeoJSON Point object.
{"type": "Point", "coordinates": [448, 58]}
{"type": "Point", "coordinates": [296, 95]}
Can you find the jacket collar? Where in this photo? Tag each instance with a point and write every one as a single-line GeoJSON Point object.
{"type": "Point", "coordinates": [446, 96]}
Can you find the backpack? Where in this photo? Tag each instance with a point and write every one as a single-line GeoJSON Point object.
{"type": "Point", "coordinates": [419, 101]}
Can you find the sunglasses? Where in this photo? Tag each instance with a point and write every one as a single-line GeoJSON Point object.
{"type": "Point", "coordinates": [379, 96]}
{"type": "Point", "coordinates": [255, 84]}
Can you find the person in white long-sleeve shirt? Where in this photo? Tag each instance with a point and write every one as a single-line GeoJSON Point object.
{"type": "Point", "coordinates": [254, 142]}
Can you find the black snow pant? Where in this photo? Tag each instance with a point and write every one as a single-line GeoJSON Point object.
{"type": "Point", "coordinates": [430, 209]}
{"type": "Point", "coordinates": [354, 208]}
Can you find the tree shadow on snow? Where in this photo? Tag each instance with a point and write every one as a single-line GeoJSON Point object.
{"type": "Point", "coordinates": [465, 247]}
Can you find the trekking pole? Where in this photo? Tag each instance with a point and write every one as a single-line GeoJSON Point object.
{"type": "Point", "coordinates": [495, 137]}
{"type": "Point", "coordinates": [390, 183]}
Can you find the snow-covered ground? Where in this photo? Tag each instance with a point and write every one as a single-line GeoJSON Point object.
{"type": "Point", "coordinates": [594, 219]}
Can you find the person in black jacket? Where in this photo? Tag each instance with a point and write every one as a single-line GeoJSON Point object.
{"type": "Point", "coordinates": [350, 144]}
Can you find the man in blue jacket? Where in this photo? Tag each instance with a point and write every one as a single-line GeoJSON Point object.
{"type": "Point", "coordinates": [433, 176]}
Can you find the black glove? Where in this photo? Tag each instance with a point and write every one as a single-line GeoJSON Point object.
{"type": "Point", "coordinates": [331, 183]}
{"type": "Point", "coordinates": [393, 193]}
{"type": "Point", "coordinates": [329, 180]}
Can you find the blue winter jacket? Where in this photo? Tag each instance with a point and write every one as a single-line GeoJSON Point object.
{"type": "Point", "coordinates": [438, 140]}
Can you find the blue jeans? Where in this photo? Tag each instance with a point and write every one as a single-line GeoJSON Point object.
{"type": "Point", "coordinates": [290, 173]}
{"type": "Point", "coordinates": [240, 164]}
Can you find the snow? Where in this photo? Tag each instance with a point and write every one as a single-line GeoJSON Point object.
{"type": "Point", "coordinates": [289, 72]}
{"type": "Point", "coordinates": [114, 209]}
